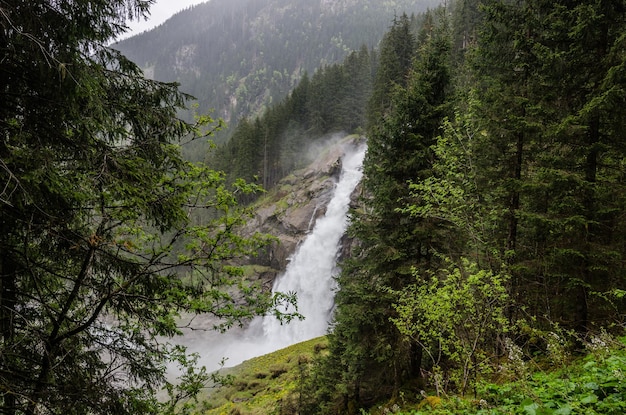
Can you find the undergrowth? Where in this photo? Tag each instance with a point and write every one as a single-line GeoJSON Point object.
{"type": "Point", "coordinates": [594, 384]}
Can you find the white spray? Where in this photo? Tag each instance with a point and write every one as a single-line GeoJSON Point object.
{"type": "Point", "coordinates": [311, 272]}
{"type": "Point", "coordinates": [310, 275]}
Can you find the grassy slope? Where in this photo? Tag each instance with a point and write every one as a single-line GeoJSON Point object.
{"type": "Point", "coordinates": [593, 384]}
{"type": "Point", "coordinates": [263, 384]}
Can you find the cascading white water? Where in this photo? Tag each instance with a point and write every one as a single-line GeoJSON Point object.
{"type": "Point", "coordinates": [309, 274]}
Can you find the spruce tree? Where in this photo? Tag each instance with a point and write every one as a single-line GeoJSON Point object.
{"type": "Point", "coordinates": [369, 358]}
{"type": "Point", "coordinates": [543, 71]}
{"type": "Point", "coordinates": [397, 50]}
{"type": "Point", "coordinates": [99, 251]}
{"type": "Point", "coordinates": [583, 49]}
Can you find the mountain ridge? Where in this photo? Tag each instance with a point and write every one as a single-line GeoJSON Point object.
{"type": "Point", "coordinates": [237, 57]}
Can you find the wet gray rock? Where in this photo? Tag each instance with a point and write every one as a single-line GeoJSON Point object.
{"type": "Point", "coordinates": [290, 210]}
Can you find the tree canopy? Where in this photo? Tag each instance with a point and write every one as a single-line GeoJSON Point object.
{"type": "Point", "coordinates": [492, 216]}
{"type": "Point", "coordinates": [100, 251]}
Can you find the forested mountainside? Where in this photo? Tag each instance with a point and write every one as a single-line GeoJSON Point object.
{"type": "Point", "coordinates": [267, 147]}
{"type": "Point", "coordinates": [238, 56]}
{"type": "Point", "coordinates": [491, 231]}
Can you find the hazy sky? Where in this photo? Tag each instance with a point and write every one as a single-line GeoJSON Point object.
{"type": "Point", "coordinates": [160, 11]}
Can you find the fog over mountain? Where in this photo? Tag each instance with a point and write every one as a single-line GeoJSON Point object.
{"type": "Point", "coordinates": [239, 56]}
{"type": "Point", "coordinates": [160, 11]}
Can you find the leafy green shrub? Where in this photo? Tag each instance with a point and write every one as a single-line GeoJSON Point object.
{"type": "Point", "coordinates": [593, 385]}
{"type": "Point", "coordinates": [457, 317]}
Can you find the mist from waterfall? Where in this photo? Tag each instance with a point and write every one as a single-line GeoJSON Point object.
{"type": "Point", "coordinates": [310, 275]}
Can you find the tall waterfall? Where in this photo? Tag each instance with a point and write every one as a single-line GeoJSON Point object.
{"type": "Point", "coordinates": [310, 275]}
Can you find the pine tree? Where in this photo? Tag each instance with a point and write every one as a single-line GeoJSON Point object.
{"type": "Point", "coordinates": [369, 358]}
{"type": "Point", "coordinates": [99, 251]}
{"type": "Point", "coordinates": [541, 69]}
{"type": "Point", "coordinates": [397, 50]}
{"type": "Point", "coordinates": [582, 47]}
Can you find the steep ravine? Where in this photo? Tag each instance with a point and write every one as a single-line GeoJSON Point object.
{"type": "Point", "coordinates": [289, 213]}
{"type": "Point", "coordinates": [290, 210]}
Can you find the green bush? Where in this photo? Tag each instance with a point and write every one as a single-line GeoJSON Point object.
{"type": "Point", "coordinates": [595, 384]}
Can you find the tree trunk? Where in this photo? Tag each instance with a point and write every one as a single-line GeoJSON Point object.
{"type": "Point", "coordinates": [591, 171]}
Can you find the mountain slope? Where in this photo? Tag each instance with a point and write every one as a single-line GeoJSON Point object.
{"type": "Point", "coordinates": [238, 56]}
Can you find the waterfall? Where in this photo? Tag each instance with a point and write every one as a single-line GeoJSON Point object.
{"type": "Point", "coordinates": [310, 275]}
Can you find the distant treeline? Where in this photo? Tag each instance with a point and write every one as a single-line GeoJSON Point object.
{"type": "Point", "coordinates": [239, 57]}
{"type": "Point", "coordinates": [266, 148]}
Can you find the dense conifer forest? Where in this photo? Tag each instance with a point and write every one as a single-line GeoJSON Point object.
{"type": "Point", "coordinates": [492, 218]}
{"type": "Point", "coordinates": [488, 236]}
{"type": "Point", "coordinates": [239, 57]}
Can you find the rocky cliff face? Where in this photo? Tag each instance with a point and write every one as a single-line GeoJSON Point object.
{"type": "Point", "coordinates": [290, 210]}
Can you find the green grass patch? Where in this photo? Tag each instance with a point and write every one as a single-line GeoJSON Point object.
{"type": "Point", "coordinates": [265, 384]}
